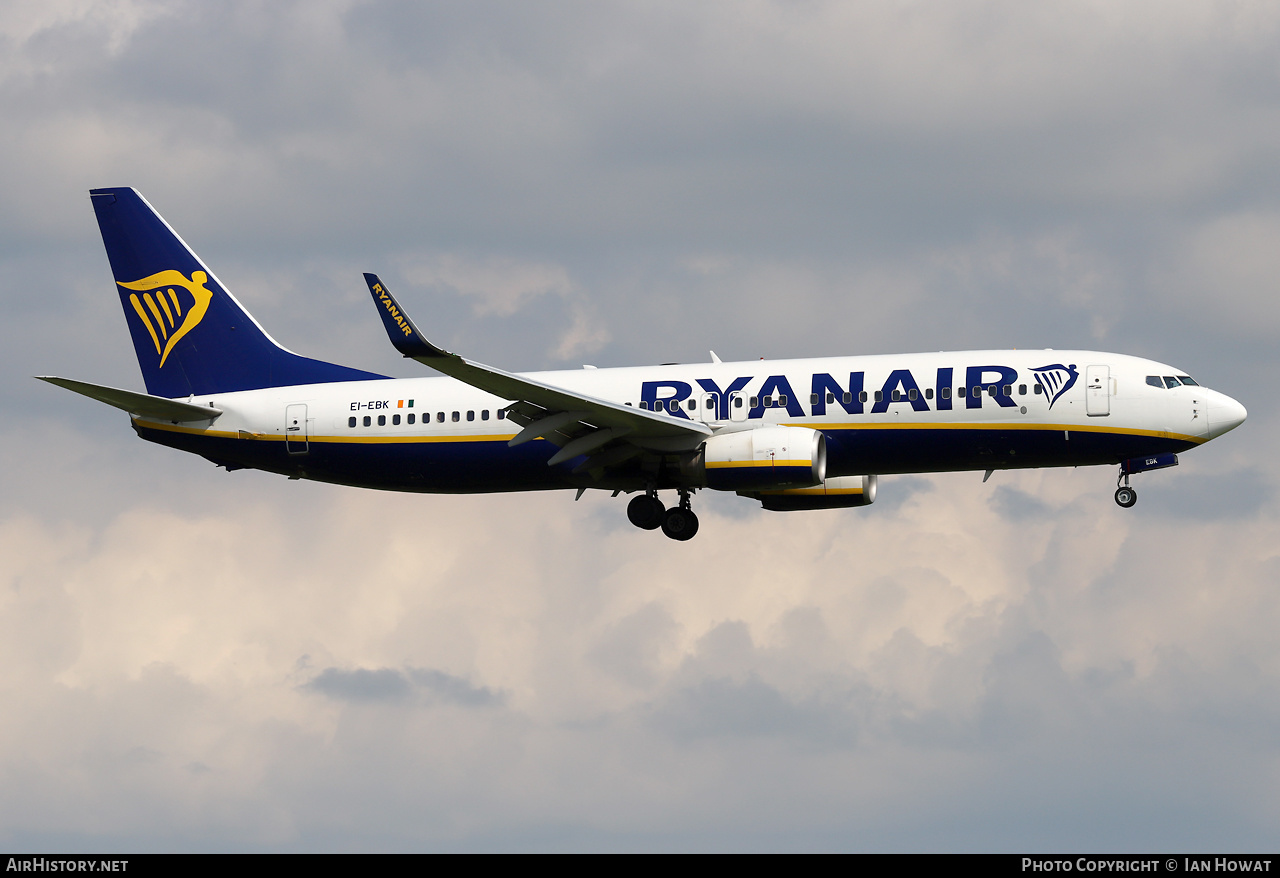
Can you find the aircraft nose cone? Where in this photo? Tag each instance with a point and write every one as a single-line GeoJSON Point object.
{"type": "Point", "coordinates": [1225, 414]}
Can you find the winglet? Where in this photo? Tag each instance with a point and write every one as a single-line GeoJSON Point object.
{"type": "Point", "coordinates": [406, 337]}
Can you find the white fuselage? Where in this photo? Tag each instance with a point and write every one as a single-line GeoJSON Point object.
{"type": "Point", "coordinates": [881, 414]}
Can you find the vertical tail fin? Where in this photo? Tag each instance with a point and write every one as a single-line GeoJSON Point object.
{"type": "Point", "coordinates": [191, 335]}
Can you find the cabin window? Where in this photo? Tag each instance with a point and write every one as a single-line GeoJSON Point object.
{"type": "Point", "coordinates": [992, 390]}
{"type": "Point", "coordinates": [1039, 388]}
{"type": "Point", "coordinates": [946, 393]}
{"type": "Point", "coordinates": [862, 396]}
{"type": "Point", "coordinates": [1187, 379]}
{"type": "Point", "coordinates": [813, 398]}
{"type": "Point", "coordinates": [912, 394]}
{"type": "Point", "coordinates": [484, 415]}
{"type": "Point", "coordinates": [367, 420]}
{"type": "Point", "coordinates": [1022, 390]}
{"type": "Point", "coordinates": [502, 413]}
{"type": "Point", "coordinates": [1008, 390]}
{"type": "Point", "coordinates": [831, 397]}
{"type": "Point", "coordinates": [846, 397]}
{"type": "Point", "coordinates": [767, 402]}
{"type": "Point", "coordinates": [693, 405]}
{"type": "Point", "coordinates": [711, 403]}
{"type": "Point", "coordinates": [644, 405]}
{"type": "Point", "coordinates": [782, 400]}
{"type": "Point", "coordinates": [928, 393]}
{"type": "Point", "coordinates": [755, 401]}
{"type": "Point", "coordinates": [382, 420]}
{"type": "Point", "coordinates": [961, 391]}
{"type": "Point", "coordinates": [673, 406]}
{"type": "Point", "coordinates": [879, 396]}
{"type": "Point", "coordinates": [411, 418]}
{"type": "Point", "coordinates": [471, 415]}
{"type": "Point", "coordinates": [351, 422]}
{"type": "Point", "coordinates": [737, 402]}
{"type": "Point", "coordinates": [897, 395]}
{"type": "Point", "coordinates": [395, 420]}
{"type": "Point", "coordinates": [456, 416]}
{"type": "Point", "coordinates": [1171, 382]}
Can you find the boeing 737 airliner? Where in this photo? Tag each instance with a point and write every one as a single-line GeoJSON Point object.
{"type": "Point", "coordinates": [792, 434]}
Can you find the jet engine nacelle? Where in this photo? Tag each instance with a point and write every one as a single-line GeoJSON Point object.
{"type": "Point", "coordinates": [767, 457]}
{"type": "Point", "coordinates": [840, 492]}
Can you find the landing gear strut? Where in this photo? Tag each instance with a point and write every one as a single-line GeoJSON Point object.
{"type": "Point", "coordinates": [1125, 496]}
{"type": "Point", "coordinates": [679, 522]}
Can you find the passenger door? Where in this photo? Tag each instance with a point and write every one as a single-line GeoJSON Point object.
{"type": "Point", "coordinates": [1097, 391]}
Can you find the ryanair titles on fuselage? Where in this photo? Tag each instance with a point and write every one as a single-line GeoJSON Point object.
{"type": "Point", "coordinates": [939, 391]}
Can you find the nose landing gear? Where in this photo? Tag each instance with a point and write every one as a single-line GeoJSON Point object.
{"type": "Point", "coordinates": [1125, 496]}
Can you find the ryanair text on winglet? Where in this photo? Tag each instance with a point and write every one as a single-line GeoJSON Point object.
{"type": "Point", "coordinates": [392, 309]}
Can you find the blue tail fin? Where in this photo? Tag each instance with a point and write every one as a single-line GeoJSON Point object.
{"type": "Point", "coordinates": [190, 334]}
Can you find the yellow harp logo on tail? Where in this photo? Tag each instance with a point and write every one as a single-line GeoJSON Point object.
{"type": "Point", "coordinates": [161, 312]}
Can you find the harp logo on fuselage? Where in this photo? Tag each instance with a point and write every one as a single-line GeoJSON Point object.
{"type": "Point", "coordinates": [1057, 379]}
{"type": "Point", "coordinates": [162, 310]}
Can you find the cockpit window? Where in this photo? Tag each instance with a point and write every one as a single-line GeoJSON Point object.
{"type": "Point", "coordinates": [1187, 379]}
{"type": "Point", "coordinates": [1154, 381]}
{"type": "Point", "coordinates": [1171, 382]}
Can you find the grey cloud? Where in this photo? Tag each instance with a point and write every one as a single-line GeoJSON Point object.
{"type": "Point", "coordinates": [720, 708]}
{"type": "Point", "coordinates": [894, 492]}
{"type": "Point", "coordinates": [632, 648]}
{"type": "Point", "coordinates": [1235, 495]}
{"type": "Point", "coordinates": [389, 684]}
{"type": "Point", "coordinates": [1015, 506]}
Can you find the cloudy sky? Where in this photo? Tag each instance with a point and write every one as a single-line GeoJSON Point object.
{"type": "Point", "coordinates": [197, 660]}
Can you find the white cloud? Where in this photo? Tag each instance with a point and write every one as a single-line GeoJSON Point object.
{"type": "Point", "coordinates": [496, 286]}
{"type": "Point", "coordinates": [191, 652]}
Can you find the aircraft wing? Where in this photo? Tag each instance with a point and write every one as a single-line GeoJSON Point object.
{"type": "Point", "coordinates": [579, 423]}
{"type": "Point", "coordinates": [138, 404]}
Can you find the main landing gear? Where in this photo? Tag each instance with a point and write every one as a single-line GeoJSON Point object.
{"type": "Point", "coordinates": [678, 522]}
{"type": "Point", "coordinates": [1125, 496]}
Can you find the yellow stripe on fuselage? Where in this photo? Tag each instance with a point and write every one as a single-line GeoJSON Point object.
{"type": "Point", "coordinates": [724, 464]}
{"type": "Point", "coordinates": [358, 440]}
{"type": "Point", "coordinates": [814, 490]}
{"type": "Point", "coordinates": [1003, 425]}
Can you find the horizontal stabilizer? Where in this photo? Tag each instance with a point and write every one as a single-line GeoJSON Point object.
{"type": "Point", "coordinates": [141, 404]}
